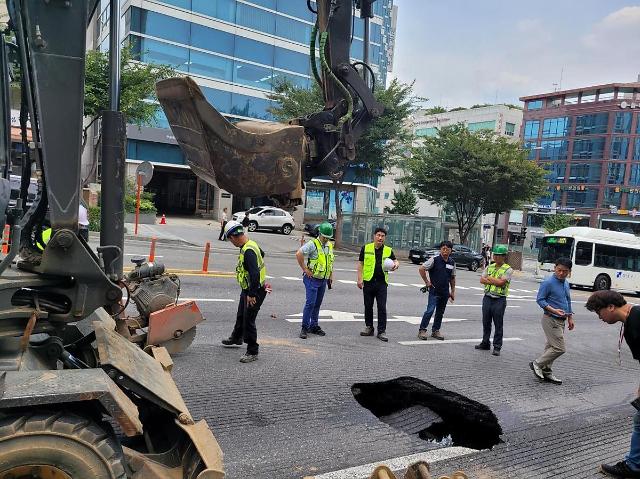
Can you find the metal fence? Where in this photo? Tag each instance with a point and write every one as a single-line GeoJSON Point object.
{"type": "Point", "coordinates": [403, 232]}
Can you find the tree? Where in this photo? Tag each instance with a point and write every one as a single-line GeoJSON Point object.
{"type": "Point", "coordinates": [378, 149]}
{"type": "Point", "coordinates": [403, 203]}
{"type": "Point", "coordinates": [553, 223]}
{"type": "Point", "coordinates": [434, 110]}
{"type": "Point", "coordinates": [137, 92]}
{"type": "Point", "coordinates": [458, 108]}
{"type": "Point", "coordinates": [473, 173]}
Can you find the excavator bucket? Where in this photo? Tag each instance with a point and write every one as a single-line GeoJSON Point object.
{"type": "Point", "coordinates": [249, 158]}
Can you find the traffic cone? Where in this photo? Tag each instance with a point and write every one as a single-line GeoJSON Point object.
{"type": "Point", "coordinates": [5, 239]}
{"type": "Point", "coordinates": [163, 220]}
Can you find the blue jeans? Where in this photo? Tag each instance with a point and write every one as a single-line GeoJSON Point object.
{"type": "Point", "coordinates": [633, 457]}
{"type": "Point", "coordinates": [315, 289]}
{"type": "Point", "coordinates": [438, 304]}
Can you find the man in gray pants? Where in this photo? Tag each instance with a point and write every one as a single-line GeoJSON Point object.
{"type": "Point", "coordinates": [554, 298]}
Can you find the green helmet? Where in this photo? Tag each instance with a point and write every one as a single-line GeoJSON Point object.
{"type": "Point", "coordinates": [500, 249]}
{"type": "Point", "coordinates": [326, 230]}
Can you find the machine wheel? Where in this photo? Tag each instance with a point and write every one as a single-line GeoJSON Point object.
{"type": "Point", "coordinates": [252, 226]}
{"type": "Point", "coordinates": [474, 266]}
{"type": "Point", "coordinates": [286, 229]}
{"type": "Point", "coordinates": [57, 445]}
{"type": "Point", "coordinates": [602, 282]}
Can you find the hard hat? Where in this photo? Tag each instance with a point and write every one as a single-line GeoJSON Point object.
{"type": "Point", "coordinates": [326, 230]}
{"type": "Point", "coordinates": [388, 264]}
{"type": "Point", "coordinates": [500, 249]}
{"type": "Point", "coordinates": [233, 228]}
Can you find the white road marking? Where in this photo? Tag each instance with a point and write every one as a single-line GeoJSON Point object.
{"type": "Point", "coordinates": [398, 284]}
{"type": "Point", "coordinates": [417, 285]}
{"type": "Point", "coordinates": [208, 300]}
{"type": "Point", "coordinates": [398, 463]}
{"type": "Point", "coordinates": [449, 341]}
{"type": "Point", "coordinates": [418, 319]}
{"type": "Point", "coordinates": [268, 277]}
{"type": "Point", "coordinates": [521, 290]}
{"type": "Point", "coordinates": [292, 278]}
{"type": "Point", "coordinates": [471, 306]}
{"type": "Point", "coordinates": [513, 297]}
{"type": "Point", "coordinates": [347, 281]}
{"type": "Point", "coordinates": [141, 254]}
{"type": "Point", "coordinates": [475, 287]}
{"type": "Point", "coordinates": [327, 315]}
{"type": "Point", "coordinates": [341, 269]}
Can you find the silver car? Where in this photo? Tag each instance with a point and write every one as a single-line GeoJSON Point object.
{"type": "Point", "coordinates": [267, 218]}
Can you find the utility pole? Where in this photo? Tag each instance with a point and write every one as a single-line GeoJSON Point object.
{"type": "Point", "coordinates": [366, 13]}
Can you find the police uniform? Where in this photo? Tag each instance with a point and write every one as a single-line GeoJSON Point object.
{"type": "Point", "coordinates": [375, 281]}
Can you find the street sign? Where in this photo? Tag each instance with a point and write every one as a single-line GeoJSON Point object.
{"type": "Point", "coordinates": [145, 171]}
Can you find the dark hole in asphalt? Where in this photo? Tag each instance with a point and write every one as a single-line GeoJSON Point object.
{"type": "Point", "coordinates": [417, 407]}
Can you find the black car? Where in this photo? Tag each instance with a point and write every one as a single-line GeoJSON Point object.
{"type": "Point", "coordinates": [312, 228]}
{"type": "Point", "coordinates": [462, 255]}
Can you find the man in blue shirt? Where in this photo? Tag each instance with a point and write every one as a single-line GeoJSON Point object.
{"type": "Point", "coordinates": [554, 298]}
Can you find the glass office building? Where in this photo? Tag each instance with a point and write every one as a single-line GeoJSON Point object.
{"type": "Point", "coordinates": [236, 50]}
{"type": "Point", "coordinates": [588, 141]}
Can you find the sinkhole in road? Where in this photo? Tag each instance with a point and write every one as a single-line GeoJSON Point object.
{"type": "Point", "coordinates": [417, 407]}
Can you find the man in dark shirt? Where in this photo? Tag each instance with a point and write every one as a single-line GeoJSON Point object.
{"type": "Point", "coordinates": [373, 279]}
{"type": "Point", "coordinates": [250, 274]}
{"type": "Point", "coordinates": [611, 307]}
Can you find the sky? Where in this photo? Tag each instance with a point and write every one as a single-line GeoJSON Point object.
{"type": "Point", "coordinates": [466, 52]}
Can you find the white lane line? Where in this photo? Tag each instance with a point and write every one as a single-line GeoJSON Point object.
{"type": "Point", "coordinates": [141, 254]}
{"type": "Point", "coordinates": [449, 341]}
{"type": "Point", "coordinates": [513, 297]}
{"type": "Point", "coordinates": [398, 284]}
{"type": "Point", "coordinates": [342, 269]}
{"type": "Point", "coordinates": [398, 463]}
{"type": "Point", "coordinates": [471, 306]}
{"type": "Point", "coordinates": [417, 285]}
{"type": "Point", "coordinates": [292, 278]}
{"type": "Point", "coordinates": [268, 277]}
{"type": "Point", "coordinates": [347, 281]}
{"type": "Point", "coordinates": [521, 290]}
{"type": "Point", "coordinates": [418, 319]}
{"type": "Point", "coordinates": [475, 287]}
{"type": "Point", "coordinates": [209, 300]}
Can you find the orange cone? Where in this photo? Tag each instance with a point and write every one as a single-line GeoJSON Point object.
{"type": "Point", "coordinates": [163, 220]}
{"type": "Point", "coordinates": [5, 239]}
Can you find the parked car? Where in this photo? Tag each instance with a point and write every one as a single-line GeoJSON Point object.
{"type": "Point", "coordinates": [312, 228]}
{"type": "Point", "coordinates": [267, 218]}
{"type": "Point", "coordinates": [462, 255]}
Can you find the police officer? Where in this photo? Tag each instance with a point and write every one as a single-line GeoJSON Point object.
{"type": "Point", "coordinates": [496, 279]}
{"type": "Point", "coordinates": [250, 274]}
{"type": "Point", "coordinates": [373, 279]}
{"type": "Point", "coordinates": [318, 274]}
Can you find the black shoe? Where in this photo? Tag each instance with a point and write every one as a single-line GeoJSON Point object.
{"type": "Point", "coordinates": [367, 331]}
{"type": "Point", "coordinates": [483, 346]}
{"type": "Point", "coordinates": [496, 352]}
{"type": "Point", "coordinates": [303, 333]}
{"type": "Point", "coordinates": [620, 470]}
{"type": "Point", "coordinates": [231, 343]}
{"type": "Point", "coordinates": [318, 331]}
{"type": "Point", "coordinates": [383, 337]}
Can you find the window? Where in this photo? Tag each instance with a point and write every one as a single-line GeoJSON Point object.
{"type": "Point", "coordinates": [625, 94]}
{"type": "Point", "coordinates": [636, 150]}
{"type": "Point", "coordinates": [571, 99]}
{"type": "Point", "coordinates": [555, 171]}
{"type": "Point", "coordinates": [161, 26]}
{"type": "Point", "coordinates": [554, 102]}
{"type": "Point", "coordinates": [611, 197]}
{"type": "Point", "coordinates": [295, 9]}
{"type": "Point", "coordinates": [386, 196]}
{"type": "Point", "coordinates": [605, 95]}
{"type": "Point", "coordinates": [509, 129]}
{"type": "Point", "coordinates": [265, 3]}
{"type": "Point", "coordinates": [291, 29]}
{"type": "Point", "coordinates": [534, 104]}
{"type": "Point", "coordinates": [220, 9]}
{"type": "Point", "coordinates": [532, 147]}
{"type": "Point", "coordinates": [584, 253]}
{"type": "Point", "coordinates": [554, 127]}
{"type": "Point", "coordinates": [592, 124]}
{"type": "Point", "coordinates": [356, 49]}
{"type": "Point", "coordinates": [268, 213]}
{"type": "Point", "coordinates": [254, 51]}
{"type": "Point", "coordinates": [156, 152]}
{"type": "Point", "coordinates": [299, 81]}
{"type": "Point", "coordinates": [531, 129]}
{"type": "Point", "coordinates": [252, 75]}
{"type": "Point", "coordinates": [588, 97]}
{"type": "Point", "coordinates": [160, 120]}
{"type": "Point", "coordinates": [585, 172]}
{"type": "Point", "coordinates": [554, 150]}
{"type": "Point", "coordinates": [153, 51]}
{"type": "Point", "coordinates": [250, 106]}
{"type": "Point", "coordinates": [428, 132]}
{"type": "Point", "coordinates": [211, 66]}
{"type": "Point", "coordinates": [218, 98]}
{"type": "Point", "coordinates": [588, 149]}
{"type": "Point", "coordinates": [615, 174]}
{"type": "Point", "coordinates": [186, 4]}
{"type": "Point", "coordinates": [586, 198]}
{"type": "Point", "coordinates": [482, 125]}
{"type": "Point", "coordinates": [619, 148]}
{"type": "Point", "coordinates": [255, 18]}
{"type": "Point", "coordinates": [617, 257]}
{"type": "Point", "coordinates": [290, 60]}
{"type": "Point", "coordinates": [638, 123]}
{"type": "Point", "coordinates": [634, 177]}
{"type": "Point", "coordinates": [622, 122]}
{"type": "Point", "coordinates": [212, 39]}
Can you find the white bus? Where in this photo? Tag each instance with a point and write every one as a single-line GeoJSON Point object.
{"type": "Point", "coordinates": [602, 259]}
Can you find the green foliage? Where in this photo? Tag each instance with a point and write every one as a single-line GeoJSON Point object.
{"type": "Point", "coordinates": [553, 223]}
{"type": "Point", "coordinates": [404, 202]}
{"type": "Point", "coordinates": [458, 108]}
{"type": "Point", "coordinates": [474, 173]}
{"type": "Point", "coordinates": [94, 218]}
{"type": "Point", "coordinates": [481, 105]}
{"type": "Point", "coordinates": [434, 110]}
{"type": "Point", "coordinates": [137, 87]}
{"type": "Point", "coordinates": [515, 107]}
{"type": "Point", "coordinates": [146, 199]}
{"type": "Point", "coordinates": [293, 101]}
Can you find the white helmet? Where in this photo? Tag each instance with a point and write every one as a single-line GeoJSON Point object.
{"type": "Point", "coordinates": [233, 228]}
{"type": "Point", "coordinates": [388, 264]}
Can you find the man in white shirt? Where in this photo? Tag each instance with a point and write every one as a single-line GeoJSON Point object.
{"type": "Point", "coordinates": [83, 222]}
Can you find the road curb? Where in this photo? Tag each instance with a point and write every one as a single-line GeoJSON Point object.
{"type": "Point", "coordinates": [159, 239]}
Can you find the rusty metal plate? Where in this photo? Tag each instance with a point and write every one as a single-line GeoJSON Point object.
{"type": "Point", "coordinates": [137, 367]}
{"type": "Point", "coordinates": [248, 159]}
{"type": "Point", "coordinates": [36, 388]}
{"type": "Point", "coordinates": [172, 322]}
{"type": "Point", "coordinates": [207, 447]}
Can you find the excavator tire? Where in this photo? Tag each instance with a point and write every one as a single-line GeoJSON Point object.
{"type": "Point", "coordinates": [57, 445]}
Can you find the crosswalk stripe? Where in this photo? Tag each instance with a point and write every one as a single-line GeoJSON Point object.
{"type": "Point", "coordinates": [398, 284]}
{"type": "Point", "coordinates": [292, 278]}
{"type": "Point", "coordinates": [448, 341]}
{"type": "Point", "coordinates": [347, 281]}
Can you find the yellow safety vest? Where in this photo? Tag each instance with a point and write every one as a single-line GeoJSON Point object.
{"type": "Point", "coordinates": [495, 272]}
{"type": "Point", "coordinates": [370, 261]}
{"type": "Point", "coordinates": [242, 275]}
{"type": "Point", "coordinates": [321, 266]}
{"type": "Point", "coordinates": [46, 236]}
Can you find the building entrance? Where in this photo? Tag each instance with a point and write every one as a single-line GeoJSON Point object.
{"type": "Point", "coordinates": [174, 190]}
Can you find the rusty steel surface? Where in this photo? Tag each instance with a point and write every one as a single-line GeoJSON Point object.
{"type": "Point", "coordinates": [39, 388]}
{"type": "Point", "coordinates": [172, 322]}
{"type": "Point", "coordinates": [208, 448]}
{"type": "Point", "coordinates": [135, 365]}
{"type": "Point", "coordinates": [249, 158]}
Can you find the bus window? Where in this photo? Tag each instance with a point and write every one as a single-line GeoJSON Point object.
{"type": "Point", "coordinates": [554, 247]}
{"type": "Point", "coordinates": [605, 256]}
{"type": "Point", "coordinates": [584, 253]}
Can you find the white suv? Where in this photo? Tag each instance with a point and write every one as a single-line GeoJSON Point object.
{"type": "Point", "coordinates": [267, 218]}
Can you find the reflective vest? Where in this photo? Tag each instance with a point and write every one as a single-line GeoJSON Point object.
{"type": "Point", "coordinates": [370, 261]}
{"type": "Point", "coordinates": [321, 266]}
{"type": "Point", "coordinates": [495, 272]}
{"type": "Point", "coordinates": [242, 275]}
{"type": "Point", "coordinates": [46, 236]}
